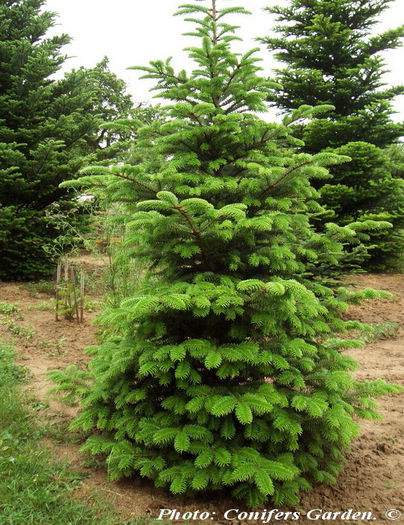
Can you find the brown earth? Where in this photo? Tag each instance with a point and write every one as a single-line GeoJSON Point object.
{"type": "Point", "coordinates": [371, 480]}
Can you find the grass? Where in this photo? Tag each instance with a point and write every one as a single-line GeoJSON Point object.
{"type": "Point", "coordinates": [35, 489]}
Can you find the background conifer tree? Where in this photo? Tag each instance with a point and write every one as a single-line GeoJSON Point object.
{"type": "Point", "coordinates": [332, 56]}
{"type": "Point", "coordinates": [47, 129]}
{"type": "Point", "coordinates": [224, 371]}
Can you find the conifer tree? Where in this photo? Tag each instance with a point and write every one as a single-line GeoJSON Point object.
{"type": "Point", "coordinates": [332, 56]}
{"type": "Point", "coordinates": [224, 371]}
{"type": "Point", "coordinates": [47, 128]}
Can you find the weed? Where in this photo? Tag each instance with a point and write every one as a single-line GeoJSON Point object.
{"type": "Point", "coordinates": [59, 432]}
{"type": "Point", "coordinates": [381, 331]}
{"type": "Point", "coordinates": [19, 331]}
{"type": "Point", "coordinates": [38, 287]}
{"type": "Point", "coordinates": [38, 406]}
{"type": "Point", "coordinates": [91, 306]}
{"type": "Point", "coordinates": [43, 306]}
{"type": "Point", "coordinates": [53, 346]}
{"type": "Point", "coordinates": [8, 308]}
{"type": "Point", "coordinates": [46, 287]}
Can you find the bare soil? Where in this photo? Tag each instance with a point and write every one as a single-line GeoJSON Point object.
{"type": "Point", "coordinates": [372, 479]}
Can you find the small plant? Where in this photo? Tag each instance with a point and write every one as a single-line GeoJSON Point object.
{"type": "Point", "coordinates": [40, 287]}
{"type": "Point", "coordinates": [8, 308]}
{"type": "Point", "coordinates": [46, 287]}
{"type": "Point", "coordinates": [53, 346]}
{"type": "Point", "coordinates": [44, 306]}
{"type": "Point", "coordinates": [381, 331]}
{"type": "Point", "coordinates": [19, 331]}
{"type": "Point", "coordinates": [39, 406]}
{"type": "Point", "coordinates": [91, 305]}
{"type": "Point", "coordinates": [58, 431]}
{"type": "Point", "coordinates": [32, 289]}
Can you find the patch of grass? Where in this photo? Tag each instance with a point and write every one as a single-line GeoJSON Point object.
{"type": "Point", "coordinates": [92, 306]}
{"type": "Point", "coordinates": [34, 489]}
{"type": "Point", "coordinates": [390, 485]}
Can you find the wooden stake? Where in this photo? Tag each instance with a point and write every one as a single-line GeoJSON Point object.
{"type": "Point", "coordinates": [81, 295]}
{"type": "Point", "coordinates": [58, 277]}
{"type": "Point", "coordinates": [76, 304]}
{"type": "Point", "coordinates": [67, 289]}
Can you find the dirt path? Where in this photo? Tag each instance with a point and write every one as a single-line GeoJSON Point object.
{"type": "Point", "coordinates": [371, 480]}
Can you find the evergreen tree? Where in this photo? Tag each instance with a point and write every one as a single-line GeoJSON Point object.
{"type": "Point", "coordinates": [108, 103]}
{"type": "Point", "coordinates": [333, 57]}
{"type": "Point", "coordinates": [47, 128]}
{"type": "Point", "coordinates": [224, 371]}
{"type": "Point", "coordinates": [367, 189]}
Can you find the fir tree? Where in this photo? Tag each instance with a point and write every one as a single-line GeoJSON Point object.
{"type": "Point", "coordinates": [47, 128]}
{"type": "Point", "coordinates": [367, 189]}
{"type": "Point", "coordinates": [333, 57]}
{"type": "Point", "coordinates": [224, 371]}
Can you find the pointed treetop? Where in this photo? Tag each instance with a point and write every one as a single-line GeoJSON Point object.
{"type": "Point", "coordinates": [225, 79]}
{"type": "Point", "coordinates": [209, 25]}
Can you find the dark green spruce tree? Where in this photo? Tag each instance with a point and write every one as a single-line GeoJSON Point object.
{"type": "Point", "coordinates": [48, 128]}
{"type": "Point", "coordinates": [333, 57]}
{"type": "Point", "coordinates": [224, 371]}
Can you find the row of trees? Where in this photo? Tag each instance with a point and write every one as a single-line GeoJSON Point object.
{"type": "Point", "coordinates": [225, 369]}
{"type": "Point", "coordinates": [50, 129]}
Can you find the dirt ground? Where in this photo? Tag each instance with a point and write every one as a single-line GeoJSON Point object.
{"type": "Point", "coordinates": [371, 480]}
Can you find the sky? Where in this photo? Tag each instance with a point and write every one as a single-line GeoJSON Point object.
{"type": "Point", "coordinates": [133, 32]}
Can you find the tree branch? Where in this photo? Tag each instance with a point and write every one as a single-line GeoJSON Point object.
{"type": "Point", "coordinates": [196, 233]}
{"type": "Point", "coordinates": [142, 184]}
{"type": "Point", "coordinates": [284, 176]}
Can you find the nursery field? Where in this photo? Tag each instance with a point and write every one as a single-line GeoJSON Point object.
{"type": "Point", "coordinates": [371, 480]}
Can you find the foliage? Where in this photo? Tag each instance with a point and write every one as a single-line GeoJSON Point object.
{"type": "Point", "coordinates": [333, 56]}
{"type": "Point", "coordinates": [223, 370]}
{"type": "Point", "coordinates": [33, 488]}
{"type": "Point", "coordinates": [8, 308]}
{"type": "Point", "coordinates": [365, 189]}
{"type": "Point", "coordinates": [48, 128]}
